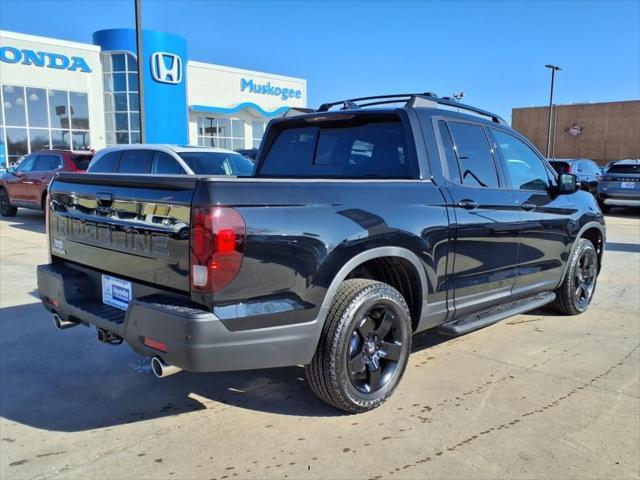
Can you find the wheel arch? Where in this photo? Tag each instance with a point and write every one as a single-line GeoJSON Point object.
{"type": "Point", "coordinates": [406, 258]}
{"type": "Point", "coordinates": [596, 233]}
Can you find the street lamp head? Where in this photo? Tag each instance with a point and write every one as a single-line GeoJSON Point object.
{"type": "Point", "coordinates": [554, 67]}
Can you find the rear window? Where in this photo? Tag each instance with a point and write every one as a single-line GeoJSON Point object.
{"type": "Point", "coordinates": [625, 169]}
{"type": "Point", "coordinates": [136, 161]}
{"type": "Point", "coordinates": [105, 163]}
{"type": "Point", "coordinates": [81, 162]}
{"type": "Point", "coordinates": [218, 163]}
{"type": "Point", "coordinates": [373, 149]}
{"type": "Point", "coordinates": [561, 167]}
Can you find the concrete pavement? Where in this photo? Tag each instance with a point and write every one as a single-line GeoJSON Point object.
{"type": "Point", "coordinates": [538, 395]}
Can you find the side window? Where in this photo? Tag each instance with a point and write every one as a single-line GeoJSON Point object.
{"type": "Point", "coordinates": [27, 164]}
{"type": "Point", "coordinates": [46, 163]}
{"type": "Point", "coordinates": [164, 163]}
{"type": "Point", "coordinates": [105, 163]}
{"type": "Point", "coordinates": [136, 161]}
{"type": "Point", "coordinates": [477, 167]}
{"type": "Point", "coordinates": [453, 171]}
{"type": "Point", "coordinates": [525, 168]}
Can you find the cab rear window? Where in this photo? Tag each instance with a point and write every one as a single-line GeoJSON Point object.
{"type": "Point", "coordinates": [369, 149]}
{"type": "Point", "coordinates": [625, 169]}
{"type": "Point", "coordinates": [81, 162]}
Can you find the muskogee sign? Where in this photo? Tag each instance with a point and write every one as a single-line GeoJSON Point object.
{"type": "Point", "coordinates": [269, 89]}
{"type": "Point", "coordinates": [57, 61]}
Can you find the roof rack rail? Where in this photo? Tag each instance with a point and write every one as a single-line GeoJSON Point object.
{"type": "Point", "coordinates": [411, 100]}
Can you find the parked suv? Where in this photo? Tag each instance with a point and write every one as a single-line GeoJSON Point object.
{"type": "Point", "coordinates": [586, 170]}
{"type": "Point", "coordinates": [26, 185]}
{"type": "Point", "coordinates": [360, 227]}
{"type": "Point", "coordinates": [620, 185]}
{"type": "Point", "coordinates": [170, 160]}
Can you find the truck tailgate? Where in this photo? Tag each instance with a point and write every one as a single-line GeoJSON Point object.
{"type": "Point", "coordinates": [130, 226]}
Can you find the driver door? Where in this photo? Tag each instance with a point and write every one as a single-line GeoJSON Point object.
{"type": "Point", "coordinates": [16, 185]}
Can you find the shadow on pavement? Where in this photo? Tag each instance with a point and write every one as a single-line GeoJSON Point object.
{"type": "Point", "coordinates": [30, 220]}
{"type": "Point", "coordinates": [622, 247]}
{"type": "Point", "coordinates": [66, 381]}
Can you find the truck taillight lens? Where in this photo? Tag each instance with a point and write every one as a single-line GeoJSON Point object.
{"type": "Point", "coordinates": [217, 247]}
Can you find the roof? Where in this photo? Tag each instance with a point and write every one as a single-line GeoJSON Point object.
{"type": "Point", "coordinates": [167, 147]}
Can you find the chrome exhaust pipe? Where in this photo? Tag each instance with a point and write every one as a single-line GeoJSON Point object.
{"type": "Point", "coordinates": [161, 369]}
{"type": "Point", "coordinates": [62, 324]}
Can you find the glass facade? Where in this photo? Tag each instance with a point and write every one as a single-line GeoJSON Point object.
{"type": "Point", "coordinates": [122, 111]}
{"type": "Point", "coordinates": [36, 118]}
{"type": "Point", "coordinates": [258, 128]}
{"type": "Point", "coordinates": [223, 132]}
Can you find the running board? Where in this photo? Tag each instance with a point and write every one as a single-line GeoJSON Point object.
{"type": "Point", "coordinates": [488, 317]}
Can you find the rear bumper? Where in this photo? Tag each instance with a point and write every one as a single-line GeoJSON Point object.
{"type": "Point", "coordinates": [622, 202]}
{"type": "Point", "coordinates": [196, 339]}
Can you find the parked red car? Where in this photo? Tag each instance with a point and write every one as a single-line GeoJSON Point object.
{"type": "Point", "coordinates": [26, 185]}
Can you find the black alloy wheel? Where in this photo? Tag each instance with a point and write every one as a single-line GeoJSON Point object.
{"type": "Point", "coordinates": [374, 349]}
{"type": "Point", "coordinates": [585, 277]}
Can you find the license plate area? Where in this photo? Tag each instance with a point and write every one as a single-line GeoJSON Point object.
{"type": "Point", "coordinates": [627, 184]}
{"type": "Point", "coordinates": [116, 292]}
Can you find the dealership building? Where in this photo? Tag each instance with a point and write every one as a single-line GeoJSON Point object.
{"type": "Point", "coordinates": [82, 96]}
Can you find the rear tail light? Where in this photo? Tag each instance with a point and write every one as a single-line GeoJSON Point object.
{"type": "Point", "coordinates": [569, 169]}
{"type": "Point", "coordinates": [217, 247]}
{"type": "Point", "coordinates": [46, 223]}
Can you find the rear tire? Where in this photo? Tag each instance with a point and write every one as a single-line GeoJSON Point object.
{"type": "Point", "coordinates": [579, 284]}
{"type": "Point", "coordinates": [6, 210]}
{"type": "Point", "coordinates": [364, 347]}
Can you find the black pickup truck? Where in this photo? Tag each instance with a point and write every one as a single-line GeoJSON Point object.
{"type": "Point", "coordinates": [367, 220]}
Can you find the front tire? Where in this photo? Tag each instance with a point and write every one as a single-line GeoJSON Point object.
{"type": "Point", "coordinates": [579, 284]}
{"type": "Point", "coordinates": [6, 210]}
{"type": "Point", "coordinates": [364, 347]}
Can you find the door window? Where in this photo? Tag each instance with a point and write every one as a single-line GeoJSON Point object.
{"type": "Point", "coordinates": [166, 164]}
{"type": "Point", "coordinates": [46, 163]}
{"type": "Point", "coordinates": [477, 167]}
{"type": "Point", "coordinates": [453, 171]}
{"type": "Point", "coordinates": [27, 164]}
{"type": "Point", "coordinates": [525, 168]}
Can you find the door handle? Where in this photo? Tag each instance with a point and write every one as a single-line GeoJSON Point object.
{"type": "Point", "coordinates": [528, 206]}
{"type": "Point", "coordinates": [468, 204]}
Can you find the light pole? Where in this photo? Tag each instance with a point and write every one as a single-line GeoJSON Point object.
{"type": "Point", "coordinates": [458, 96]}
{"type": "Point", "coordinates": [143, 130]}
{"type": "Point", "coordinates": [554, 69]}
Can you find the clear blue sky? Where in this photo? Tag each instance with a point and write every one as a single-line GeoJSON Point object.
{"type": "Point", "coordinates": [494, 51]}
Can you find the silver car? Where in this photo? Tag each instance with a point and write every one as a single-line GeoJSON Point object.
{"type": "Point", "coordinates": [620, 185]}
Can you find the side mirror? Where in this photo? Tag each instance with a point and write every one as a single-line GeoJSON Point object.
{"type": "Point", "coordinates": [567, 184]}
{"type": "Point", "coordinates": [11, 169]}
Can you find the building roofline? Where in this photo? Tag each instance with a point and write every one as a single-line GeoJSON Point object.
{"type": "Point", "coordinates": [214, 66]}
{"type": "Point", "coordinates": [48, 40]}
{"type": "Point", "coordinates": [578, 104]}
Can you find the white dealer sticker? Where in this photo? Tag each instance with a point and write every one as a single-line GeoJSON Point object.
{"type": "Point", "coordinates": [116, 292]}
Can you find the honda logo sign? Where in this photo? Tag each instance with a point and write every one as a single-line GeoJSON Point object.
{"type": "Point", "coordinates": [166, 67]}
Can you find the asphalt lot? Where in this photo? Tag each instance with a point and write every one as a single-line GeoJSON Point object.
{"type": "Point", "coordinates": [537, 395]}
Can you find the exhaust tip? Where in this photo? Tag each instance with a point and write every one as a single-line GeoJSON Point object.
{"type": "Point", "coordinates": [161, 369]}
{"type": "Point", "coordinates": [156, 367]}
{"type": "Point", "coordinates": [61, 324]}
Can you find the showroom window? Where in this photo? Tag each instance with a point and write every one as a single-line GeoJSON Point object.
{"type": "Point", "coordinates": [221, 132]}
{"type": "Point", "coordinates": [33, 119]}
{"type": "Point", "coordinates": [258, 128]}
{"type": "Point", "coordinates": [122, 113]}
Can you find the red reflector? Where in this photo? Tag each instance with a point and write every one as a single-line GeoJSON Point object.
{"type": "Point", "coordinates": [52, 301]}
{"type": "Point", "coordinates": [225, 240]}
{"type": "Point", "coordinates": [161, 347]}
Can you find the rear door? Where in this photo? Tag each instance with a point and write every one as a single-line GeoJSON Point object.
{"type": "Point", "coordinates": [132, 227]}
{"type": "Point", "coordinates": [38, 180]}
{"type": "Point", "coordinates": [545, 218]}
{"type": "Point", "coordinates": [486, 221]}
